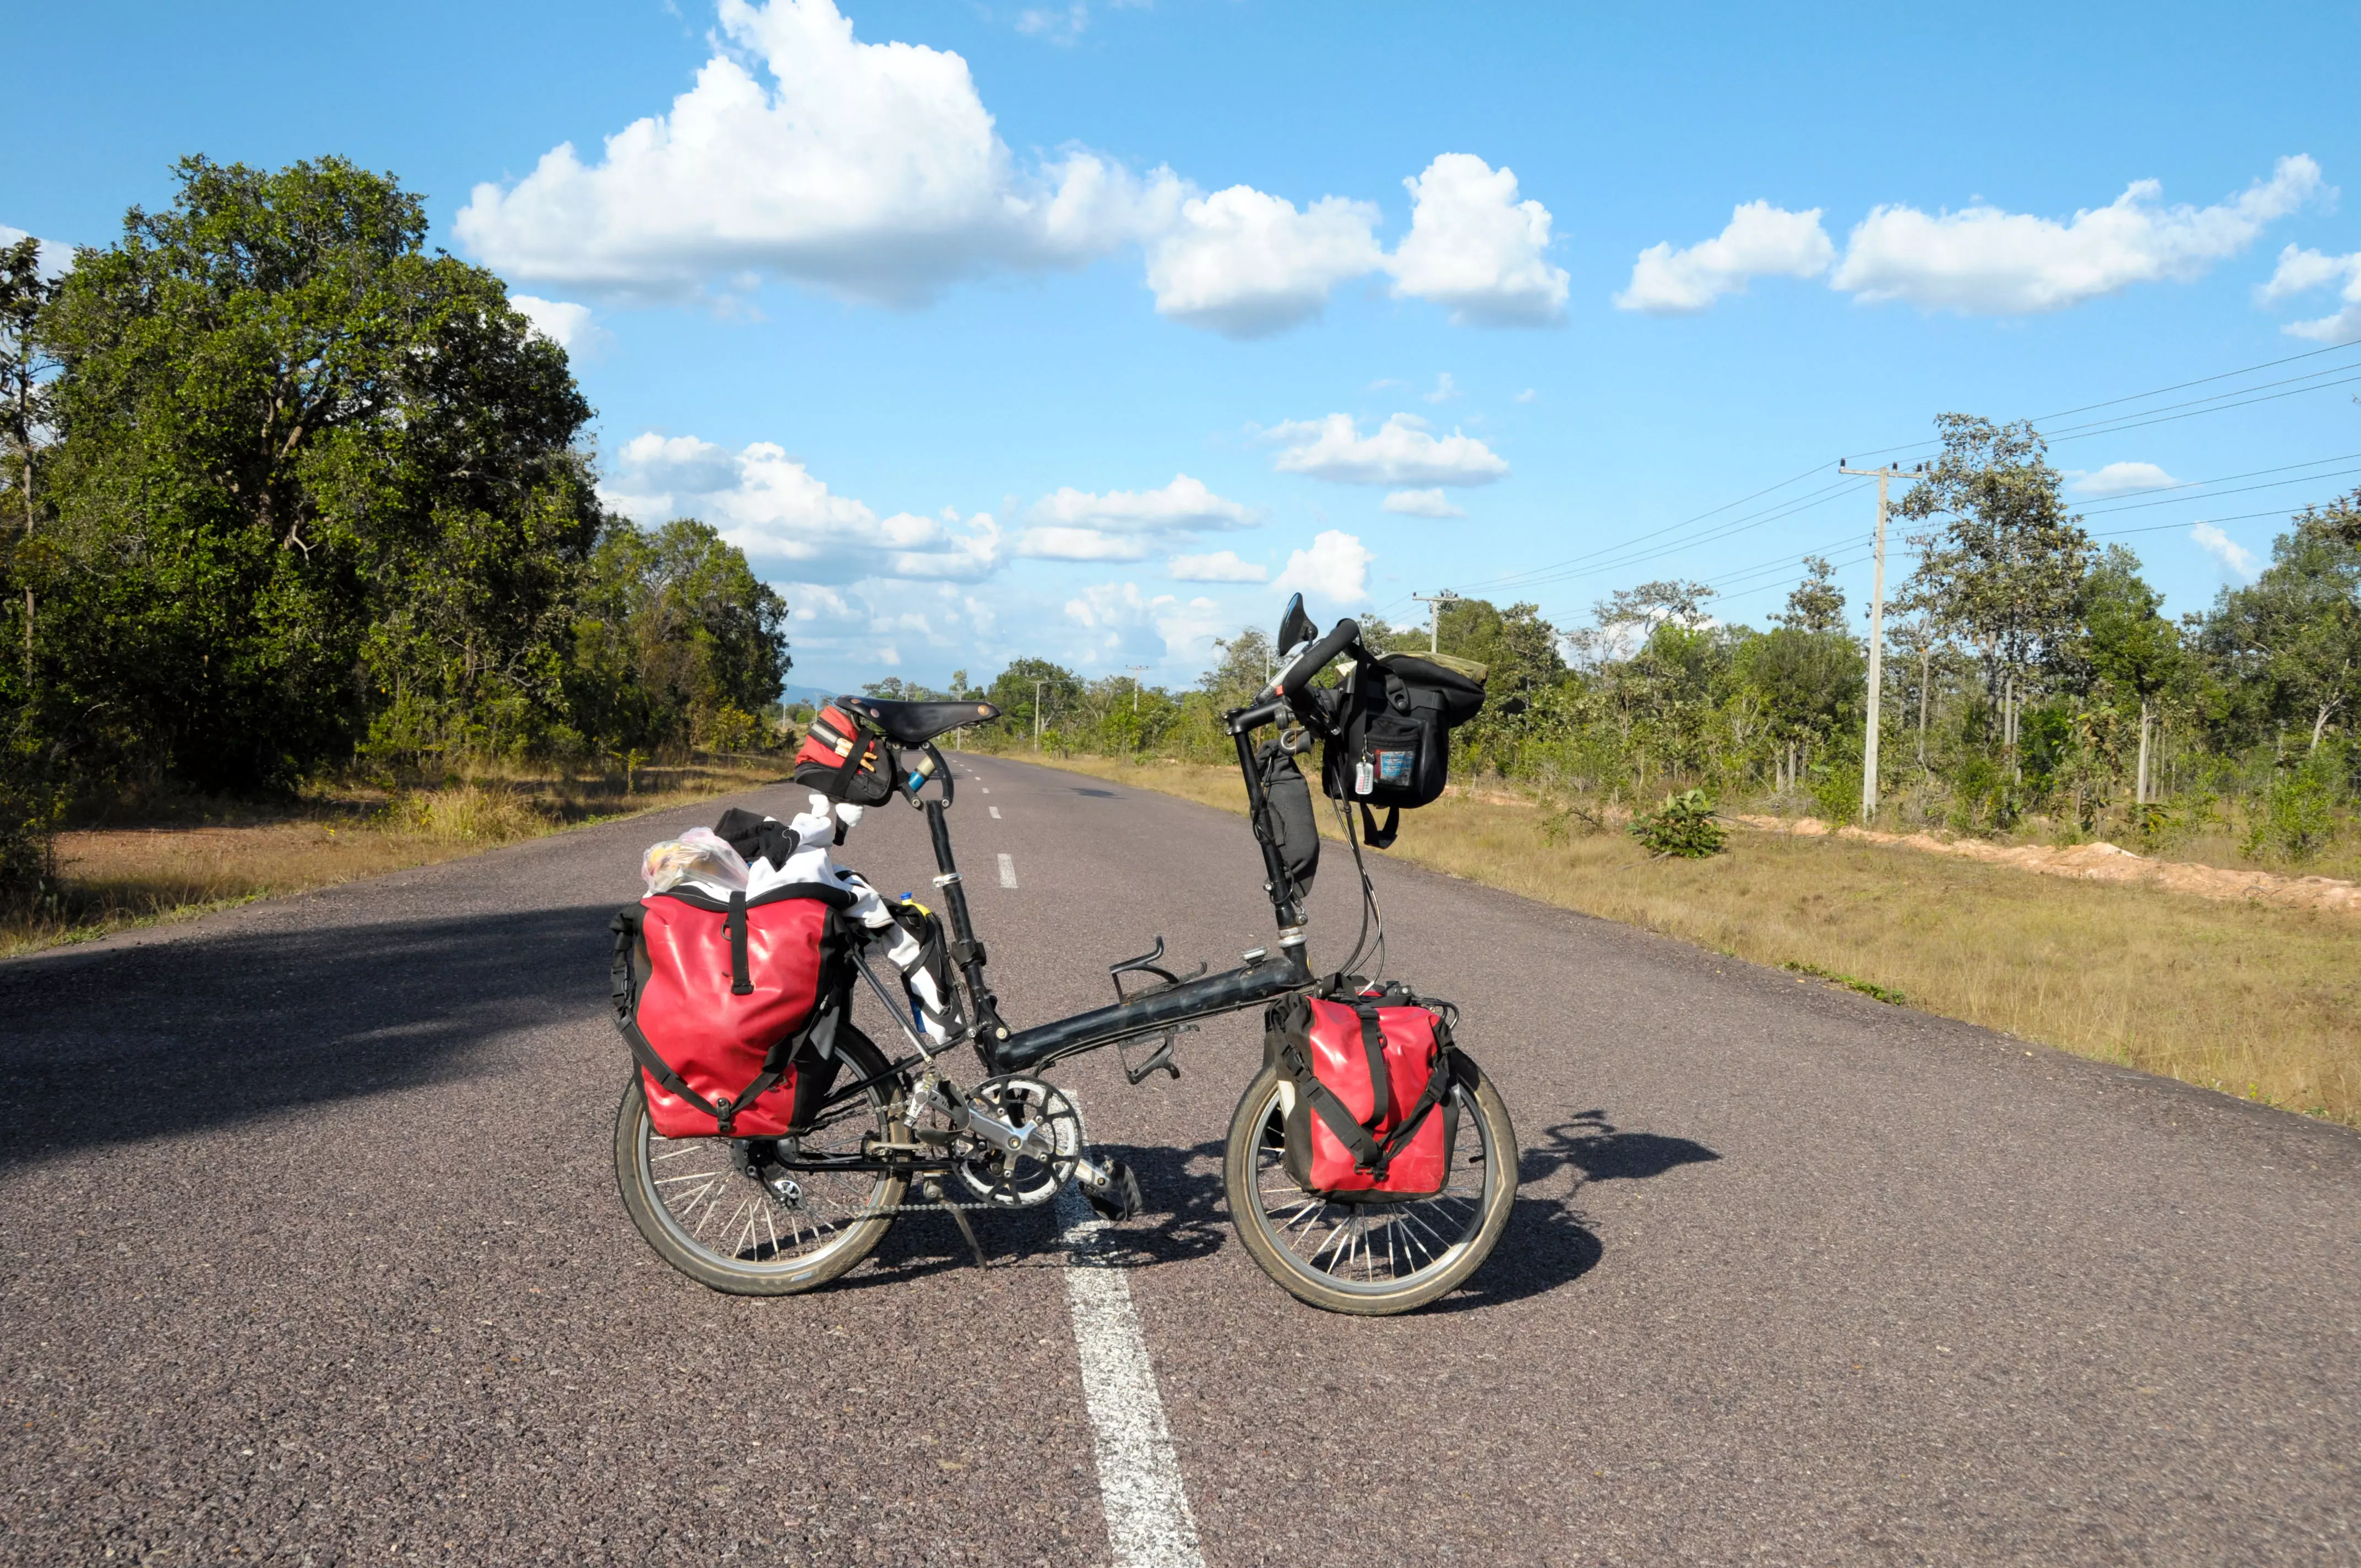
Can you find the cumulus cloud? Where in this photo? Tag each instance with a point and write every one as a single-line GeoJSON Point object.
{"type": "Point", "coordinates": [2120, 479]}
{"type": "Point", "coordinates": [772, 507]}
{"type": "Point", "coordinates": [869, 169]}
{"type": "Point", "coordinates": [1760, 241]}
{"type": "Point", "coordinates": [873, 171]}
{"type": "Point", "coordinates": [1475, 247]}
{"type": "Point", "coordinates": [2300, 271]}
{"type": "Point", "coordinates": [1336, 567]}
{"type": "Point", "coordinates": [1984, 261]}
{"type": "Point", "coordinates": [1126, 525]}
{"type": "Point", "coordinates": [570, 326]}
{"type": "Point", "coordinates": [1400, 452]}
{"type": "Point", "coordinates": [56, 259]}
{"type": "Point", "coordinates": [2234, 559]}
{"type": "Point", "coordinates": [1113, 609]}
{"type": "Point", "coordinates": [1248, 264]}
{"type": "Point", "coordinates": [1220, 567]}
{"type": "Point", "coordinates": [1419, 503]}
{"type": "Point", "coordinates": [1528, 395]}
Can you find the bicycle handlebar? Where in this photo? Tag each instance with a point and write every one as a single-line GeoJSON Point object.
{"type": "Point", "coordinates": [1295, 684]}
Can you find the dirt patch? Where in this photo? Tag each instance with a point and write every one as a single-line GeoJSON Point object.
{"type": "Point", "coordinates": [2098, 861]}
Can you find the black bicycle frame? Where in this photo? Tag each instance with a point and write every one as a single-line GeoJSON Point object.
{"type": "Point", "coordinates": [1165, 1007]}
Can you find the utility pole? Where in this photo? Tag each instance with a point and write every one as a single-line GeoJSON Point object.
{"type": "Point", "coordinates": [1137, 670]}
{"type": "Point", "coordinates": [1036, 712]}
{"type": "Point", "coordinates": [1435, 616]}
{"type": "Point", "coordinates": [1884, 476]}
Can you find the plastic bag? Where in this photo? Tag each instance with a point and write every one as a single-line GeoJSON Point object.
{"type": "Point", "coordinates": [701, 857]}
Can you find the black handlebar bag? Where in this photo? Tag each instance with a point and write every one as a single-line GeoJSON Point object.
{"type": "Point", "coordinates": [1391, 745]}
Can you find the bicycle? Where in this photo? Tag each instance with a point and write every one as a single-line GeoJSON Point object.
{"type": "Point", "coordinates": [776, 1216]}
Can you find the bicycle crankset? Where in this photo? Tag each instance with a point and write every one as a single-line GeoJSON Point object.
{"type": "Point", "coordinates": [1053, 1127]}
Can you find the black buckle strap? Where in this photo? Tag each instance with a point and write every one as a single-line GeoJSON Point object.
{"type": "Point", "coordinates": [742, 983]}
{"type": "Point", "coordinates": [1378, 838]}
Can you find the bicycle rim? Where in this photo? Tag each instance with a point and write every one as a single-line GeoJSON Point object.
{"type": "Point", "coordinates": [1374, 1252]}
{"type": "Point", "coordinates": [717, 1215]}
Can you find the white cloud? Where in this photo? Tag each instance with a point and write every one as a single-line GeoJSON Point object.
{"type": "Point", "coordinates": [1474, 246]}
{"type": "Point", "coordinates": [1760, 241]}
{"type": "Point", "coordinates": [2234, 559]}
{"type": "Point", "coordinates": [1336, 567]}
{"type": "Point", "coordinates": [1220, 567]}
{"type": "Point", "coordinates": [771, 507]}
{"type": "Point", "coordinates": [1984, 261]}
{"type": "Point", "coordinates": [56, 259]}
{"type": "Point", "coordinates": [1127, 525]}
{"type": "Point", "coordinates": [1400, 453]}
{"type": "Point", "coordinates": [2120, 479]}
{"type": "Point", "coordinates": [1527, 396]}
{"type": "Point", "coordinates": [1446, 389]}
{"type": "Point", "coordinates": [1057, 24]}
{"type": "Point", "coordinates": [1112, 610]}
{"type": "Point", "coordinates": [2300, 271]}
{"type": "Point", "coordinates": [1248, 264]}
{"type": "Point", "coordinates": [1419, 503]}
{"type": "Point", "coordinates": [869, 169]}
{"type": "Point", "coordinates": [570, 326]}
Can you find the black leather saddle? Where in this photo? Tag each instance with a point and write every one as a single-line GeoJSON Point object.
{"type": "Point", "coordinates": [915, 723]}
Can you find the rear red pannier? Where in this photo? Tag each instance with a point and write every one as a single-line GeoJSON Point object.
{"type": "Point", "coordinates": [1372, 1114]}
{"type": "Point", "coordinates": [714, 999]}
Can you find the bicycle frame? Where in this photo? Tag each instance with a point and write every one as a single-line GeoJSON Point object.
{"type": "Point", "coordinates": [1002, 1051]}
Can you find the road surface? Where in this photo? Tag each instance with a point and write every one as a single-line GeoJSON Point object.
{"type": "Point", "coordinates": [312, 1255]}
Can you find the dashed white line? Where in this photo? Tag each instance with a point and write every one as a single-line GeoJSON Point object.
{"type": "Point", "coordinates": [1007, 872]}
{"type": "Point", "coordinates": [995, 812]}
{"type": "Point", "coordinates": [1148, 1519]}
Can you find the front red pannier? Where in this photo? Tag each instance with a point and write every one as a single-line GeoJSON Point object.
{"type": "Point", "coordinates": [714, 999]}
{"type": "Point", "coordinates": [1373, 1116]}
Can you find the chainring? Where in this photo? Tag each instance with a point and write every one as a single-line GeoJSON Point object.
{"type": "Point", "coordinates": [1027, 1179]}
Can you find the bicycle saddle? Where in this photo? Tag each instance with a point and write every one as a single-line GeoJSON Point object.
{"type": "Point", "coordinates": [915, 723]}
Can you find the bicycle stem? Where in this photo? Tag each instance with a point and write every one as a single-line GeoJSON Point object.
{"type": "Point", "coordinates": [1276, 881]}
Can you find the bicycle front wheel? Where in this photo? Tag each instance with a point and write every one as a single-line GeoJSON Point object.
{"type": "Point", "coordinates": [1372, 1259]}
{"type": "Point", "coordinates": [739, 1227]}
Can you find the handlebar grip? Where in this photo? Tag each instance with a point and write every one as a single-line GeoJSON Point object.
{"type": "Point", "coordinates": [1295, 683]}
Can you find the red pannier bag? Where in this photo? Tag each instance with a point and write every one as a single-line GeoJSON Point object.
{"type": "Point", "coordinates": [1372, 1116]}
{"type": "Point", "coordinates": [715, 999]}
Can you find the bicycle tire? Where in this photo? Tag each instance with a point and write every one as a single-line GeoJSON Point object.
{"type": "Point", "coordinates": [1250, 1150]}
{"type": "Point", "coordinates": [728, 1268]}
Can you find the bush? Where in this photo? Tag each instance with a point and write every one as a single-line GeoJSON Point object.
{"type": "Point", "coordinates": [1682, 826]}
{"type": "Point", "coordinates": [2298, 818]}
{"type": "Point", "coordinates": [467, 813]}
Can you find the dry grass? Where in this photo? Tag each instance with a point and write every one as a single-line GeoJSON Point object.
{"type": "Point", "coordinates": [2256, 1002]}
{"type": "Point", "coordinates": [206, 855]}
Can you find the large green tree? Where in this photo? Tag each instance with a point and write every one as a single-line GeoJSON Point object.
{"type": "Point", "coordinates": [312, 481]}
{"type": "Point", "coordinates": [2293, 637]}
{"type": "Point", "coordinates": [676, 641]}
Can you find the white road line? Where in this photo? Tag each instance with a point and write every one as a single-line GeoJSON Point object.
{"type": "Point", "coordinates": [995, 812]}
{"type": "Point", "coordinates": [1007, 872]}
{"type": "Point", "coordinates": [1147, 1507]}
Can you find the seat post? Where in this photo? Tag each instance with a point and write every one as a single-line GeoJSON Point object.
{"type": "Point", "coordinates": [966, 951]}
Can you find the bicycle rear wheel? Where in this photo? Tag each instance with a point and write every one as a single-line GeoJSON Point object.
{"type": "Point", "coordinates": [707, 1210]}
{"type": "Point", "coordinates": [1371, 1259]}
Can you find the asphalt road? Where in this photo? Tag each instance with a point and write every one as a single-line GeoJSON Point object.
{"type": "Point", "coordinates": [310, 1252]}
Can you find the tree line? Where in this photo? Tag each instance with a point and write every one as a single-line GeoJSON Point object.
{"type": "Point", "coordinates": [2028, 671]}
{"type": "Point", "coordinates": [287, 493]}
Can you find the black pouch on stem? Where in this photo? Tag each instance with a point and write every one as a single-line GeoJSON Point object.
{"type": "Point", "coordinates": [1297, 829]}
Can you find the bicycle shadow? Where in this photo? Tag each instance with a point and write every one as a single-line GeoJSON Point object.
{"type": "Point", "coordinates": [1548, 1242]}
{"type": "Point", "coordinates": [1183, 1219]}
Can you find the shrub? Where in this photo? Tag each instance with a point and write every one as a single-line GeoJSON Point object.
{"type": "Point", "coordinates": [1682, 826]}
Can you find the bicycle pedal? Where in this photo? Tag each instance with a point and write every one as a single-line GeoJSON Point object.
{"type": "Point", "coordinates": [1120, 1199]}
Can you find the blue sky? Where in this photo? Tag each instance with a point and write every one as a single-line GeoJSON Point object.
{"type": "Point", "coordinates": [1089, 330]}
